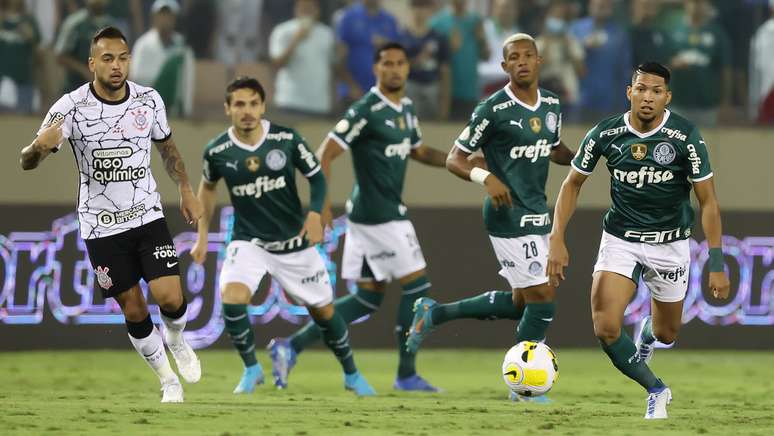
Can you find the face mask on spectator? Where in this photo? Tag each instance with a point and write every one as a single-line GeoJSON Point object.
{"type": "Point", "coordinates": [555, 25]}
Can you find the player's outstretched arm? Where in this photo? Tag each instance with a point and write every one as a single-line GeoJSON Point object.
{"type": "Point", "coordinates": [558, 257]}
{"type": "Point", "coordinates": [562, 155]}
{"type": "Point", "coordinates": [173, 163]}
{"type": "Point", "coordinates": [48, 140]}
{"type": "Point", "coordinates": [459, 164]}
{"type": "Point", "coordinates": [207, 195]}
{"type": "Point", "coordinates": [710, 222]}
{"type": "Point", "coordinates": [328, 151]}
{"type": "Point", "coordinates": [429, 156]}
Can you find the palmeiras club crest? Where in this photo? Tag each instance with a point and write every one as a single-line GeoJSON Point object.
{"type": "Point", "coordinates": [104, 280]}
{"type": "Point", "coordinates": [140, 118]}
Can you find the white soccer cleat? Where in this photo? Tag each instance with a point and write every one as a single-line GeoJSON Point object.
{"type": "Point", "coordinates": [657, 404]}
{"type": "Point", "coordinates": [187, 363]}
{"type": "Point", "coordinates": [172, 392]}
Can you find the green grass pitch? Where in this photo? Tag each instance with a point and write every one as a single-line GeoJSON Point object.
{"type": "Point", "coordinates": [109, 392]}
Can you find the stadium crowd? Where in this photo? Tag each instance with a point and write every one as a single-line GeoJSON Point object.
{"type": "Point", "coordinates": [318, 52]}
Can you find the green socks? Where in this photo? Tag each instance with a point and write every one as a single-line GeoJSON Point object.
{"type": "Point", "coordinates": [489, 305]}
{"type": "Point", "coordinates": [350, 308]}
{"type": "Point", "coordinates": [623, 354]}
{"type": "Point", "coordinates": [336, 337]}
{"type": "Point", "coordinates": [534, 323]}
{"type": "Point", "coordinates": [240, 331]}
{"type": "Point", "coordinates": [411, 291]}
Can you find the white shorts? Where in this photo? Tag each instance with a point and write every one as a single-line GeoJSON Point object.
{"type": "Point", "coordinates": [390, 250]}
{"type": "Point", "coordinates": [523, 260]}
{"type": "Point", "coordinates": [302, 274]}
{"type": "Point", "coordinates": [663, 267]}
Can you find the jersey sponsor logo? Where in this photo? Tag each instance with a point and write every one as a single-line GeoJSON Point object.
{"type": "Point", "coordinates": [289, 244]}
{"type": "Point", "coordinates": [654, 237]}
{"type": "Point", "coordinates": [109, 219]}
{"type": "Point", "coordinates": [551, 122]}
{"type": "Point", "coordinates": [674, 134]}
{"type": "Point", "coordinates": [378, 106]}
{"type": "Point", "coordinates": [307, 156]}
{"type": "Point", "coordinates": [532, 152]}
{"type": "Point", "coordinates": [506, 263]}
{"type": "Point", "coordinates": [538, 220]}
{"type": "Point", "coordinates": [341, 127]}
{"type": "Point", "coordinates": [108, 166]}
{"type": "Point", "coordinates": [536, 268]}
{"type": "Point", "coordinates": [588, 153]}
{"type": "Point", "coordinates": [276, 159]}
{"type": "Point", "coordinates": [664, 153]}
{"type": "Point", "coordinates": [53, 118]}
{"type": "Point", "coordinates": [383, 255]}
{"type": "Point", "coordinates": [143, 98]}
{"type": "Point", "coordinates": [261, 185]}
{"type": "Point", "coordinates": [504, 105]}
{"type": "Point", "coordinates": [140, 118]}
{"type": "Point", "coordinates": [401, 150]}
{"type": "Point", "coordinates": [517, 123]}
{"type": "Point", "coordinates": [220, 148]}
{"type": "Point", "coordinates": [535, 124]}
{"type": "Point", "coordinates": [612, 132]}
{"type": "Point", "coordinates": [85, 102]}
{"type": "Point", "coordinates": [673, 275]}
{"type": "Point", "coordinates": [252, 163]}
{"type": "Point", "coordinates": [639, 151]}
{"type": "Point", "coordinates": [315, 278]}
{"type": "Point", "coordinates": [103, 279]}
{"type": "Point", "coordinates": [279, 136]}
{"type": "Point", "coordinates": [694, 159]}
{"type": "Point", "coordinates": [549, 100]}
{"type": "Point", "coordinates": [166, 251]}
{"type": "Point", "coordinates": [478, 131]}
{"type": "Point", "coordinates": [233, 165]}
{"type": "Point", "coordinates": [645, 175]}
{"type": "Point", "coordinates": [355, 131]}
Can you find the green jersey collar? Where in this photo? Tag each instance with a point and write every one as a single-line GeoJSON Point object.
{"type": "Point", "coordinates": [652, 132]}
{"type": "Point", "coordinates": [264, 125]}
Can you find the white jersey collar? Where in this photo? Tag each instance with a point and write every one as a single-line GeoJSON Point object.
{"type": "Point", "coordinates": [265, 124]}
{"type": "Point", "coordinates": [652, 132]}
{"type": "Point", "coordinates": [521, 103]}
{"type": "Point", "coordinates": [397, 107]}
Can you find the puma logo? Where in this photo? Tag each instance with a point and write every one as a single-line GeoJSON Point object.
{"type": "Point", "coordinates": [517, 123]}
{"type": "Point", "coordinates": [233, 165]}
{"type": "Point", "coordinates": [618, 147]}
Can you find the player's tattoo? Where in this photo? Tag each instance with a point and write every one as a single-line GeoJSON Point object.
{"type": "Point", "coordinates": [31, 156]}
{"type": "Point", "coordinates": [173, 162]}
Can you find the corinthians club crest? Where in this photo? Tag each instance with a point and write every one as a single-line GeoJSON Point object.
{"type": "Point", "coordinates": [252, 163]}
{"type": "Point", "coordinates": [140, 119]}
{"type": "Point", "coordinates": [103, 279]}
{"type": "Point", "coordinates": [639, 151]}
{"type": "Point", "coordinates": [535, 124]}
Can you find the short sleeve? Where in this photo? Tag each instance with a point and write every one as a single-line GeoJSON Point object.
{"type": "Point", "coordinates": [697, 163]}
{"type": "Point", "coordinates": [161, 130]}
{"type": "Point", "coordinates": [350, 129]}
{"type": "Point", "coordinates": [478, 130]}
{"type": "Point", "coordinates": [209, 169]}
{"type": "Point", "coordinates": [303, 158]}
{"type": "Point", "coordinates": [61, 110]}
{"type": "Point", "coordinates": [588, 154]}
{"type": "Point", "coordinates": [557, 138]}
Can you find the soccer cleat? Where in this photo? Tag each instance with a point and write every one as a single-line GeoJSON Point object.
{"type": "Point", "coordinates": [414, 383]}
{"type": "Point", "coordinates": [422, 325]}
{"type": "Point", "coordinates": [187, 363]}
{"type": "Point", "coordinates": [251, 377]}
{"type": "Point", "coordinates": [542, 399]}
{"type": "Point", "coordinates": [645, 349]}
{"type": "Point", "coordinates": [657, 404]}
{"type": "Point", "coordinates": [358, 384]}
{"type": "Point", "coordinates": [283, 359]}
{"type": "Point", "coordinates": [172, 392]}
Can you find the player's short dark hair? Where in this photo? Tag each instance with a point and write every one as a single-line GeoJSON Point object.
{"type": "Point", "coordinates": [109, 32]}
{"type": "Point", "coordinates": [391, 45]}
{"type": "Point", "coordinates": [245, 82]}
{"type": "Point", "coordinates": [654, 68]}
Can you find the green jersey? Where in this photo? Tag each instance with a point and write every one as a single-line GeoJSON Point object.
{"type": "Point", "coordinates": [381, 136]}
{"type": "Point", "coordinates": [651, 176]}
{"type": "Point", "coordinates": [261, 181]}
{"type": "Point", "coordinates": [516, 140]}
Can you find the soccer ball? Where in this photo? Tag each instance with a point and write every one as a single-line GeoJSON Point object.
{"type": "Point", "coordinates": [530, 368]}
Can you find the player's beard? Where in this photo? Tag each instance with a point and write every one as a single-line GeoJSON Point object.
{"type": "Point", "coordinates": [107, 84]}
{"type": "Point", "coordinates": [395, 88]}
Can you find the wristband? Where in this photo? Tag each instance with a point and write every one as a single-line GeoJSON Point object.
{"type": "Point", "coordinates": [479, 175]}
{"type": "Point", "coordinates": [716, 260]}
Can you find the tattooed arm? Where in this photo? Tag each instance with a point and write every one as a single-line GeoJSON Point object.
{"type": "Point", "coordinates": [173, 163]}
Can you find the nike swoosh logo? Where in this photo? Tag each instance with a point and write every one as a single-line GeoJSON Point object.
{"type": "Point", "coordinates": [92, 124]}
{"type": "Point", "coordinates": [151, 354]}
{"type": "Point", "coordinates": [171, 264]}
{"type": "Point", "coordinates": [546, 319]}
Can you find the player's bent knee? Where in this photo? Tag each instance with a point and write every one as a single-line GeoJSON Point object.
{"type": "Point", "coordinates": [235, 293]}
{"type": "Point", "coordinates": [321, 313]}
{"type": "Point", "coordinates": [605, 331]}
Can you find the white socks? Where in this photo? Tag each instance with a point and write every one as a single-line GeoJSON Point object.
{"type": "Point", "coordinates": [151, 348]}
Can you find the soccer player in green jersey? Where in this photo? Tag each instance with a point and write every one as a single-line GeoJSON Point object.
{"type": "Point", "coordinates": [382, 132]}
{"type": "Point", "coordinates": [258, 162]}
{"type": "Point", "coordinates": [654, 157]}
{"type": "Point", "coordinates": [518, 130]}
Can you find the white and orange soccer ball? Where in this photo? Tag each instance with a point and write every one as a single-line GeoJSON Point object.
{"type": "Point", "coordinates": [530, 368]}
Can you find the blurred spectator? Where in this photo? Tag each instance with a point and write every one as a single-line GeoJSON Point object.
{"type": "Point", "coordinates": [74, 41]}
{"type": "Point", "coordinates": [700, 60]}
{"type": "Point", "coordinates": [762, 71]}
{"type": "Point", "coordinates": [648, 40]}
{"type": "Point", "coordinates": [162, 60]}
{"type": "Point", "coordinates": [361, 27]}
{"type": "Point", "coordinates": [127, 14]}
{"type": "Point", "coordinates": [608, 62]}
{"type": "Point", "coordinates": [429, 83]}
{"type": "Point", "coordinates": [198, 28]}
{"type": "Point", "coordinates": [497, 28]}
{"type": "Point", "coordinates": [563, 56]}
{"type": "Point", "coordinates": [47, 15]}
{"type": "Point", "coordinates": [303, 49]}
{"type": "Point", "coordinates": [465, 32]}
{"type": "Point", "coordinates": [19, 37]}
{"type": "Point", "coordinates": [236, 35]}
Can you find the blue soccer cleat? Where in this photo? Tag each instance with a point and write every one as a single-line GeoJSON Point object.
{"type": "Point", "coordinates": [542, 399]}
{"type": "Point", "coordinates": [358, 384]}
{"type": "Point", "coordinates": [251, 377]}
{"type": "Point", "coordinates": [414, 383]}
{"type": "Point", "coordinates": [283, 359]}
{"type": "Point", "coordinates": [422, 325]}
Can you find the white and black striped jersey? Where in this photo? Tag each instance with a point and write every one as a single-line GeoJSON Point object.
{"type": "Point", "coordinates": [112, 146]}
